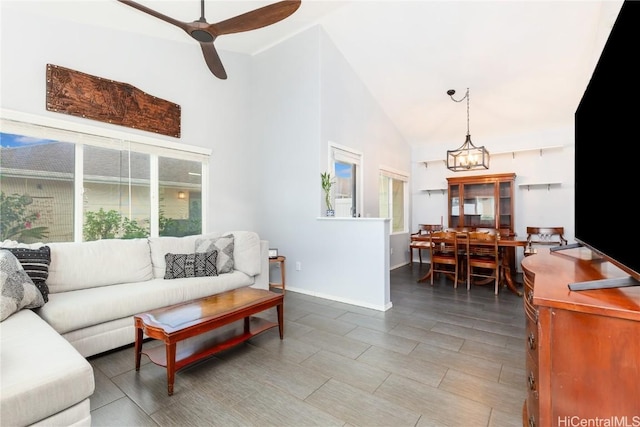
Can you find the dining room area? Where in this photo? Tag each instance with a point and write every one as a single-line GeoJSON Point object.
{"type": "Point", "coordinates": [480, 245]}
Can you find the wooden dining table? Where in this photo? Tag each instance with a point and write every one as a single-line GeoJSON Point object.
{"type": "Point", "coordinates": [507, 246]}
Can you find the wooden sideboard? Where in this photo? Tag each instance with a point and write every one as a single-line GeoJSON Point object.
{"type": "Point", "coordinates": [583, 347]}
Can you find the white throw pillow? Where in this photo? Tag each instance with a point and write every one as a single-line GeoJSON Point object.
{"type": "Point", "coordinates": [224, 245]}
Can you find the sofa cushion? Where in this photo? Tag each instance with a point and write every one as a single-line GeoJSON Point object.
{"type": "Point", "coordinates": [36, 264]}
{"type": "Point", "coordinates": [191, 265]}
{"type": "Point", "coordinates": [17, 291]}
{"type": "Point", "coordinates": [160, 246]}
{"type": "Point", "coordinates": [224, 246]}
{"type": "Point", "coordinates": [246, 252]}
{"type": "Point", "coordinates": [42, 374]}
{"type": "Point", "coordinates": [83, 308]}
{"type": "Point", "coordinates": [98, 263]}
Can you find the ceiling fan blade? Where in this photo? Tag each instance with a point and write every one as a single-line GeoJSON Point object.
{"type": "Point", "coordinates": [213, 60]}
{"type": "Point", "coordinates": [257, 18]}
{"type": "Point", "coordinates": [179, 24]}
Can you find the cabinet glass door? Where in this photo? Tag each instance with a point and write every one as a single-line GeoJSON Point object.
{"type": "Point", "coordinates": [506, 222]}
{"type": "Point", "coordinates": [479, 205]}
{"type": "Point", "coordinates": [454, 206]}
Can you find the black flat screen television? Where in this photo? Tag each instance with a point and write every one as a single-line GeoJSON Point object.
{"type": "Point", "coordinates": [607, 153]}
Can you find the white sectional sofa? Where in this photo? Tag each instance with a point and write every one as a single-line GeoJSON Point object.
{"type": "Point", "coordinates": [95, 289]}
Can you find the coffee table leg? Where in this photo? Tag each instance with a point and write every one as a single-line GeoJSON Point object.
{"type": "Point", "coordinates": [171, 366]}
{"type": "Point", "coordinates": [138, 347]}
{"type": "Point", "coordinates": [247, 324]}
{"type": "Point", "coordinates": [280, 309]}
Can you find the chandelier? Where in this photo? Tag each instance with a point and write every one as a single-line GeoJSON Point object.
{"type": "Point", "coordinates": [467, 156]}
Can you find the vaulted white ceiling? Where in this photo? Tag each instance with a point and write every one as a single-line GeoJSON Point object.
{"type": "Point", "coordinates": [526, 63]}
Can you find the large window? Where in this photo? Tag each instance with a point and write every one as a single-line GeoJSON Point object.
{"type": "Point", "coordinates": [61, 185]}
{"type": "Point", "coordinates": [346, 166]}
{"type": "Point", "coordinates": [393, 199]}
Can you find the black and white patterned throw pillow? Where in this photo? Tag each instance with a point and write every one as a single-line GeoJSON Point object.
{"type": "Point", "coordinates": [190, 265]}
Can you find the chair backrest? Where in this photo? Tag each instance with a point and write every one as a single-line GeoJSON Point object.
{"type": "Point", "coordinates": [483, 252]}
{"type": "Point", "coordinates": [546, 236]}
{"type": "Point", "coordinates": [427, 229]}
{"type": "Point", "coordinates": [482, 243]}
{"type": "Point", "coordinates": [443, 244]}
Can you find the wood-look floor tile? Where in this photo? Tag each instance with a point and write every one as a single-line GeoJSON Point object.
{"type": "Point", "coordinates": [338, 344]}
{"type": "Point", "coordinates": [408, 366]}
{"type": "Point", "coordinates": [434, 404]}
{"type": "Point", "coordinates": [463, 362]}
{"type": "Point", "coordinates": [491, 393]}
{"type": "Point", "coordinates": [359, 408]}
{"type": "Point", "coordinates": [353, 372]}
{"type": "Point", "coordinates": [105, 391]}
{"type": "Point", "coordinates": [513, 376]}
{"type": "Point", "coordinates": [470, 334]}
{"type": "Point", "coordinates": [428, 337]}
{"type": "Point", "coordinates": [288, 348]}
{"type": "Point", "coordinates": [122, 412]}
{"type": "Point", "coordinates": [380, 339]}
{"type": "Point", "coordinates": [275, 407]}
{"type": "Point", "coordinates": [501, 354]}
{"type": "Point", "coordinates": [263, 367]}
{"type": "Point", "coordinates": [327, 324]}
{"type": "Point", "coordinates": [199, 410]}
{"type": "Point", "coordinates": [379, 324]}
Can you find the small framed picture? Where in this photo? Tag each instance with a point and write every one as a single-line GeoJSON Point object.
{"type": "Point", "coordinates": [273, 253]}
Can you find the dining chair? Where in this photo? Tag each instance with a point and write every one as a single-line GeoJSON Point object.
{"type": "Point", "coordinates": [443, 250]}
{"type": "Point", "coordinates": [423, 243]}
{"type": "Point", "coordinates": [537, 236]}
{"type": "Point", "coordinates": [483, 258]}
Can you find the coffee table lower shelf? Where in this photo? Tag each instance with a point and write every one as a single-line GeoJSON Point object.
{"type": "Point", "coordinates": [203, 346]}
{"type": "Point", "coordinates": [197, 329]}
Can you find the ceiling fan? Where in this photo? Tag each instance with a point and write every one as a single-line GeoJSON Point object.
{"type": "Point", "coordinates": [206, 33]}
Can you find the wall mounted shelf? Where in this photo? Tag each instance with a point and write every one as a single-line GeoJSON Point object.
{"type": "Point", "coordinates": [539, 185]}
{"type": "Point", "coordinates": [434, 190]}
{"type": "Point", "coordinates": [502, 153]}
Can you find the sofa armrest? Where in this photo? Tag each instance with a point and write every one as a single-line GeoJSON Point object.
{"type": "Point", "coordinates": [262, 279]}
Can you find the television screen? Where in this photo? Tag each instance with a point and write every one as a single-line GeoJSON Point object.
{"type": "Point", "coordinates": [607, 145]}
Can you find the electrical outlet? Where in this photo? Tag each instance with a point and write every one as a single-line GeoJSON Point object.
{"type": "Point", "coordinates": [298, 266]}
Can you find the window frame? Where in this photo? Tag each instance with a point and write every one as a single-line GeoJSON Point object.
{"type": "Point", "coordinates": [81, 134]}
{"type": "Point", "coordinates": [396, 175]}
{"type": "Point", "coordinates": [344, 154]}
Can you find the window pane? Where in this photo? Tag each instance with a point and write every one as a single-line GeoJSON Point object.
{"type": "Point", "coordinates": [384, 199]}
{"type": "Point", "coordinates": [398, 205]}
{"type": "Point", "coordinates": [36, 182]}
{"type": "Point", "coordinates": [180, 190]}
{"type": "Point", "coordinates": [345, 189]}
{"type": "Point", "coordinates": [116, 201]}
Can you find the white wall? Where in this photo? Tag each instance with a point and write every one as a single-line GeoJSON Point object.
{"type": "Point", "coordinates": [215, 113]}
{"type": "Point", "coordinates": [313, 98]}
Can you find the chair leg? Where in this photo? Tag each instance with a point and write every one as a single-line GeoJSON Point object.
{"type": "Point", "coordinates": [410, 255]}
{"type": "Point", "coordinates": [497, 278]}
{"type": "Point", "coordinates": [420, 255]}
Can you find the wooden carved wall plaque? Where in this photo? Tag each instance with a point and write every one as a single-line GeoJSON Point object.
{"type": "Point", "coordinates": [83, 95]}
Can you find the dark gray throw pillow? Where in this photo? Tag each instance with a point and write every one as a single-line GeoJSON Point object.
{"type": "Point", "coordinates": [190, 265]}
{"type": "Point", "coordinates": [36, 264]}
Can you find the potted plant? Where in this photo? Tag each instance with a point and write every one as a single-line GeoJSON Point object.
{"type": "Point", "coordinates": [327, 183]}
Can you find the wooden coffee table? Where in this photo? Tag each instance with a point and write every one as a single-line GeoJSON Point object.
{"type": "Point", "coordinates": [186, 328]}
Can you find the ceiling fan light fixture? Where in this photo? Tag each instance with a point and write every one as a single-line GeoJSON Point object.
{"type": "Point", "coordinates": [467, 156]}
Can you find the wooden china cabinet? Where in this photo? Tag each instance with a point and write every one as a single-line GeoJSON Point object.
{"type": "Point", "coordinates": [482, 201]}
